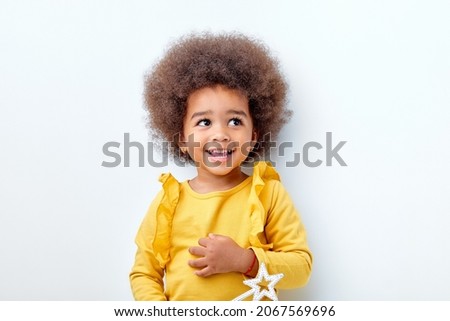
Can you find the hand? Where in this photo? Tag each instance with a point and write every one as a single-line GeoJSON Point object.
{"type": "Point", "coordinates": [219, 254]}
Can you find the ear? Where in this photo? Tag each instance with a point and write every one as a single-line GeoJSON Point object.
{"type": "Point", "coordinates": [181, 139]}
{"type": "Point", "coordinates": [183, 147]}
{"type": "Point", "coordinates": [254, 141]}
{"type": "Point", "coordinates": [254, 136]}
{"type": "Point", "coordinates": [181, 143]}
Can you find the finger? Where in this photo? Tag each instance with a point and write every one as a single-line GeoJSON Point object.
{"type": "Point", "coordinates": [197, 250]}
{"type": "Point", "coordinates": [207, 271]}
{"type": "Point", "coordinates": [215, 236]}
{"type": "Point", "coordinates": [198, 263]}
{"type": "Point", "coordinates": [203, 241]}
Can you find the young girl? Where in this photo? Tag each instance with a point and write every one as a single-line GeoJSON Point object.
{"type": "Point", "coordinates": [219, 99]}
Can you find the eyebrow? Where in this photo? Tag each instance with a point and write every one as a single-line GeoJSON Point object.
{"type": "Point", "coordinates": [229, 112]}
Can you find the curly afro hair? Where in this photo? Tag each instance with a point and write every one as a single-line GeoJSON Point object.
{"type": "Point", "coordinates": [205, 60]}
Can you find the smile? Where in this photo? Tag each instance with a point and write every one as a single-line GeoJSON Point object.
{"type": "Point", "coordinates": [220, 152]}
{"type": "Point", "coordinates": [219, 155]}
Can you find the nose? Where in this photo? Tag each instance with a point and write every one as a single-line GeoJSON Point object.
{"type": "Point", "coordinates": [220, 133]}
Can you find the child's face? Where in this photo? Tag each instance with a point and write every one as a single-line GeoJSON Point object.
{"type": "Point", "coordinates": [218, 129]}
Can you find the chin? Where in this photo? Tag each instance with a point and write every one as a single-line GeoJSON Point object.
{"type": "Point", "coordinates": [220, 170]}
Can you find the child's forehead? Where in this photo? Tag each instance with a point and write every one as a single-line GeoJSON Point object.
{"type": "Point", "coordinates": [218, 112]}
{"type": "Point", "coordinates": [218, 95]}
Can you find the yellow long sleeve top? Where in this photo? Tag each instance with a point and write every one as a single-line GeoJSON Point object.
{"type": "Point", "coordinates": [258, 214]}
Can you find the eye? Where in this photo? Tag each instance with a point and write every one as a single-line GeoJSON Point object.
{"type": "Point", "coordinates": [235, 122]}
{"type": "Point", "coordinates": [204, 122]}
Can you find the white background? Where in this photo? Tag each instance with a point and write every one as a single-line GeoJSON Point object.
{"type": "Point", "coordinates": [374, 73]}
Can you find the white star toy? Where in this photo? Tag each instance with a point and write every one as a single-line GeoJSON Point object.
{"type": "Point", "coordinates": [262, 275]}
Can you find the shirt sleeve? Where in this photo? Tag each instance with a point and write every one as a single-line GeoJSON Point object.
{"type": "Point", "coordinates": [146, 276]}
{"type": "Point", "coordinates": [290, 253]}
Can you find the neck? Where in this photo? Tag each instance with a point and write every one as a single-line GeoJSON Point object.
{"type": "Point", "coordinates": [206, 182]}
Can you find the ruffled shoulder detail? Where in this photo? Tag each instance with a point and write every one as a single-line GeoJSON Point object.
{"type": "Point", "coordinates": [262, 172]}
{"type": "Point", "coordinates": [164, 218]}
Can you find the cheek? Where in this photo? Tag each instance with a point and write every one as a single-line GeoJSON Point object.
{"type": "Point", "coordinates": [250, 143]}
{"type": "Point", "coordinates": [247, 147]}
{"type": "Point", "coordinates": [193, 141]}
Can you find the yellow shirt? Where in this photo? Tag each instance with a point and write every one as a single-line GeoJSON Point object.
{"type": "Point", "coordinates": [258, 214]}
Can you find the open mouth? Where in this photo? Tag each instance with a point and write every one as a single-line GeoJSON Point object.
{"type": "Point", "coordinates": [220, 155]}
{"type": "Point", "coordinates": [220, 152]}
